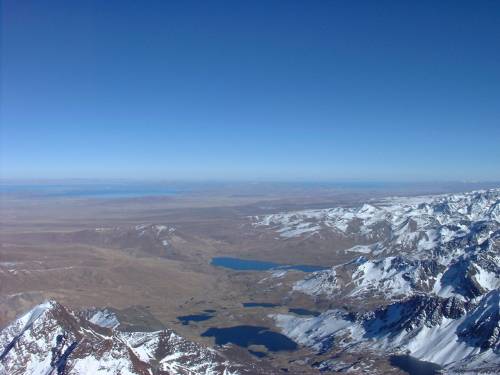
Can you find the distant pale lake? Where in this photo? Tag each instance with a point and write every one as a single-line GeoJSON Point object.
{"type": "Point", "coordinates": [88, 190]}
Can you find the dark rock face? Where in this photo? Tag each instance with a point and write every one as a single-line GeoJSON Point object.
{"type": "Point", "coordinates": [430, 267]}
{"type": "Point", "coordinates": [463, 274]}
{"type": "Point", "coordinates": [413, 313]}
{"type": "Point", "coordinates": [418, 273]}
{"type": "Point", "coordinates": [482, 327]}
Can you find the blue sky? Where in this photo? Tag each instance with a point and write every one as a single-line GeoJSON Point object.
{"type": "Point", "coordinates": [271, 90]}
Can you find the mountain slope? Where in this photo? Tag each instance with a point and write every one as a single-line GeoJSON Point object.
{"type": "Point", "coordinates": [445, 245]}
{"type": "Point", "coordinates": [51, 339]}
{"type": "Point", "coordinates": [433, 329]}
{"type": "Point", "coordinates": [432, 262]}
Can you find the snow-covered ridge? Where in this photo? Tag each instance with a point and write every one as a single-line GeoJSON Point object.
{"type": "Point", "coordinates": [406, 218]}
{"type": "Point", "coordinates": [104, 318]}
{"type": "Point", "coordinates": [434, 329]}
{"type": "Point", "coordinates": [445, 245]}
{"type": "Point", "coordinates": [434, 262]}
{"type": "Point", "coordinates": [393, 277]}
{"type": "Point", "coordinates": [50, 338]}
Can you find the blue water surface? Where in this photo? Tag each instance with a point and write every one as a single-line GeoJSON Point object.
{"type": "Point", "coordinates": [258, 265]}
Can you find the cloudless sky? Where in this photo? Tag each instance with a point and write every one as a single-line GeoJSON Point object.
{"type": "Point", "coordinates": [273, 90]}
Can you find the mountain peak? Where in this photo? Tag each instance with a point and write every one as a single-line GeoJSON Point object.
{"type": "Point", "coordinates": [52, 338]}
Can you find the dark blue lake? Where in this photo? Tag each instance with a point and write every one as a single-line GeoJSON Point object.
{"type": "Point", "coordinates": [257, 353]}
{"type": "Point", "coordinates": [186, 319]}
{"type": "Point", "coordinates": [258, 265]}
{"type": "Point", "coordinates": [246, 336]}
{"type": "Point", "coordinates": [259, 304]}
{"type": "Point", "coordinates": [304, 312]}
{"type": "Point", "coordinates": [414, 366]}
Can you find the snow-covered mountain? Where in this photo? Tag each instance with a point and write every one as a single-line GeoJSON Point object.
{"type": "Point", "coordinates": [413, 222]}
{"type": "Point", "coordinates": [446, 245]}
{"type": "Point", "coordinates": [432, 263]}
{"type": "Point", "coordinates": [445, 331]}
{"type": "Point", "coordinates": [51, 339]}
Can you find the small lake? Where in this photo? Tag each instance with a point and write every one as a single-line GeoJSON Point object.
{"type": "Point", "coordinates": [246, 336]}
{"type": "Point", "coordinates": [257, 265]}
{"type": "Point", "coordinates": [305, 312]}
{"type": "Point", "coordinates": [186, 319]}
{"type": "Point", "coordinates": [257, 353]}
{"type": "Point", "coordinates": [259, 304]}
{"type": "Point", "coordinates": [414, 366]}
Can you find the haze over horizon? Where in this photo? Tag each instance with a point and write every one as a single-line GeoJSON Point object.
{"type": "Point", "coordinates": [269, 91]}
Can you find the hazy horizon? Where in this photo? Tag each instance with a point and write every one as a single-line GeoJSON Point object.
{"type": "Point", "coordinates": [126, 188]}
{"type": "Point", "coordinates": [194, 180]}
